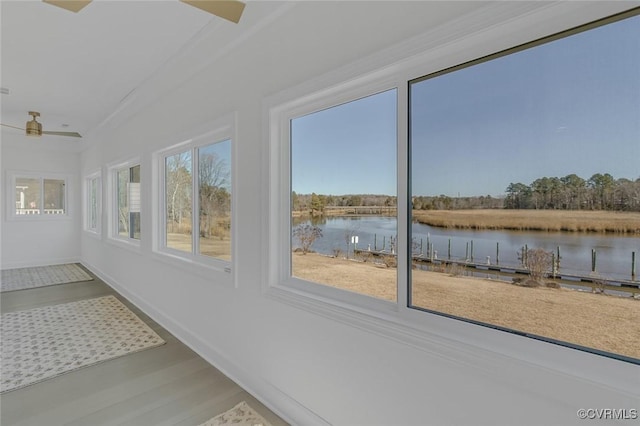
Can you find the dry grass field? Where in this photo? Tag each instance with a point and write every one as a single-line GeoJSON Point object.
{"type": "Point", "coordinates": [598, 321]}
{"type": "Point", "coordinates": [219, 248]}
{"type": "Point", "coordinates": [533, 220]}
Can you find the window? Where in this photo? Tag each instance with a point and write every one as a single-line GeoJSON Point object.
{"type": "Point", "coordinates": [126, 202]}
{"type": "Point", "coordinates": [179, 201]}
{"type": "Point", "coordinates": [93, 203]}
{"type": "Point", "coordinates": [129, 202]}
{"type": "Point", "coordinates": [196, 198]}
{"type": "Point", "coordinates": [523, 168]}
{"type": "Point", "coordinates": [37, 196]}
{"type": "Point", "coordinates": [516, 206]}
{"type": "Point", "coordinates": [200, 222]}
{"type": "Point", "coordinates": [343, 196]}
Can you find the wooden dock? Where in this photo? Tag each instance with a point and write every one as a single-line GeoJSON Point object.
{"type": "Point", "coordinates": [619, 284]}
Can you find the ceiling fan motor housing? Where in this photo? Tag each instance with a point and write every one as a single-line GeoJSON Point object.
{"type": "Point", "coordinates": [33, 128]}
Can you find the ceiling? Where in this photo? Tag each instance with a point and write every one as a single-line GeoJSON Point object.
{"type": "Point", "coordinates": [77, 69]}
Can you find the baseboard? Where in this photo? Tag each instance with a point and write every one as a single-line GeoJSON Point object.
{"type": "Point", "coordinates": [35, 263]}
{"type": "Point", "coordinates": [285, 406]}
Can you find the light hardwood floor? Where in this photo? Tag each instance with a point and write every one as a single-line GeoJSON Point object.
{"type": "Point", "coordinates": [167, 385]}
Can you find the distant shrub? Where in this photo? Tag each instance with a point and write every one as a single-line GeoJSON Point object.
{"type": "Point", "coordinates": [539, 264]}
{"type": "Point", "coordinates": [390, 261]}
{"type": "Point", "coordinates": [455, 269]}
{"type": "Point", "coordinates": [306, 235]}
{"type": "Point", "coordinates": [364, 256]}
{"type": "Point", "coordinates": [552, 284]}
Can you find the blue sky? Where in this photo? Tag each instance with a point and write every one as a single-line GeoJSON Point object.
{"type": "Point", "coordinates": [569, 106]}
{"type": "Point", "coordinates": [347, 149]}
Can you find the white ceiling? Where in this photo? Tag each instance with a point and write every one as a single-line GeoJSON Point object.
{"type": "Point", "coordinates": [77, 69]}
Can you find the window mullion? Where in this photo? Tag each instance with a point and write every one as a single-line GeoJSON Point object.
{"type": "Point", "coordinates": [403, 201]}
{"type": "Point", "coordinates": [195, 209]}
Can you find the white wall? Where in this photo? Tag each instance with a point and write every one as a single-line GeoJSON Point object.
{"type": "Point", "coordinates": [40, 241]}
{"type": "Point", "coordinates": [311, 368]}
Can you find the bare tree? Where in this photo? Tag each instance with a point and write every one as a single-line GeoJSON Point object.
{"type": "Point", "coordinates": [178, 188]}
{"type": "Point", "coordinates": [539, 263]}
{"type": "Point", "coordinates": [213, 190]}
{"type": "Point", "coordinates": [306, 234]}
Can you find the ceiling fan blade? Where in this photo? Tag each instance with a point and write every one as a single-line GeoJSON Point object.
{"type": "Point", "coordinates": [70, 134]}
{"type": "Point", "coordinates": [13, 127]}
{"type": "Point", "coordinates": [71, 5]}
{"type": "Point", "coordinates": [230, 10]}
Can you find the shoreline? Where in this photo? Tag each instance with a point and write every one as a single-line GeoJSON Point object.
{"type": "Point", "coordinates": [569, 221]}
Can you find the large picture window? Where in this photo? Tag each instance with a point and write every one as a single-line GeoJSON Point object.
{"type": "Point", "coordinates": [518, 200]}
{"type": "Point", "coordinates": [525, 181]}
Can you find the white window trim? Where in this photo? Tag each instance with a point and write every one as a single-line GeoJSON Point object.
{"type": "Point", "coordinates": [492, 29]}
{"type": "Point", "coordinates": [97, 231]}
{"type": "Point", "coordinates": [219, 130]}
{"type": "Point", "coordinates": [12, 175]}
{"type": "Point", "coordinates": [112, 205]}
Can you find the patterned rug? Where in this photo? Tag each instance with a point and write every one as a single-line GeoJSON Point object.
{"type": "Point", "coordinates": [42, 343]}
{"type": "Point", "coordinates": [240, 415]}
{"type": "Point", "coordinates": [40, 276]}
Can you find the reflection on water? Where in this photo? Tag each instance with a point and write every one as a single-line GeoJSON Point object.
{"type": "Point", "coordinates": [613, 252]}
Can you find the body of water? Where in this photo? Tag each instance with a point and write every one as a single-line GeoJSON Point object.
{"type": "Point", "coordinates": [613, 252]}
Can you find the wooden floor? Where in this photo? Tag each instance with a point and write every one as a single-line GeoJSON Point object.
{"type": "Point", "coordinates": [167, 385]}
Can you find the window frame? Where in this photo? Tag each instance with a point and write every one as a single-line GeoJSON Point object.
{"type": "Point", "coordinates": [478, 35]}
{"type": "Point", "coordinates": [97, 177]}
{"type": "Point", "coordinates": [220, 130]}
{"type": "Point", "coordinates": [281, 117]}
{"type": "Point", "coordinates": [13, 175]}
{"type": "Point", "coordinates": [113, 213]}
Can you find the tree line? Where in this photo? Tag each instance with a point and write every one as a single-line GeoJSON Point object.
{"type": "Point", "coordinates": [571, 192]}
{"type": "Point", "coordinates": [444, 202]}
{"type": "Point", "coordinates": [317, 202]}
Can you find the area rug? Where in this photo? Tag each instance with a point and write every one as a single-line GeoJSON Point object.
{"type": "Point", "coordinates": [240, 415]}
{"type": "Point", "coordinates": [42, 343]}
{"type": "Point", "coordinates": [41, 276]}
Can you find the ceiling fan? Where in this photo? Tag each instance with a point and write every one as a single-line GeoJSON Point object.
{"type": "Point", "coordinates": [34, 128]}
{"type": "Point", "coordinates": [230, 10]}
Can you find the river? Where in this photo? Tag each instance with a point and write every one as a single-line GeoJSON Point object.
{"type": "Point", "coordinates": [613, 252]}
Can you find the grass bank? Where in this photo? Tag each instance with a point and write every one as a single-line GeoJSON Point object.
{"type": "Point", "coordinates": [608, 323]}
{"type": "Point", "coordinates": [533, 220]}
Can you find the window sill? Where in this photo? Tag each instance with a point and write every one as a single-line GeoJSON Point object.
{"type": "Point", "coordinates": [464, 343]}
{"type": "Point", "coordinates": [197, 265]}
{"type": "Point", "coordinates": [39, 218]}
{"type": "Point", "coordinates": [131, 245]}
{"type": "Point", "coordinates": [93, 234]}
